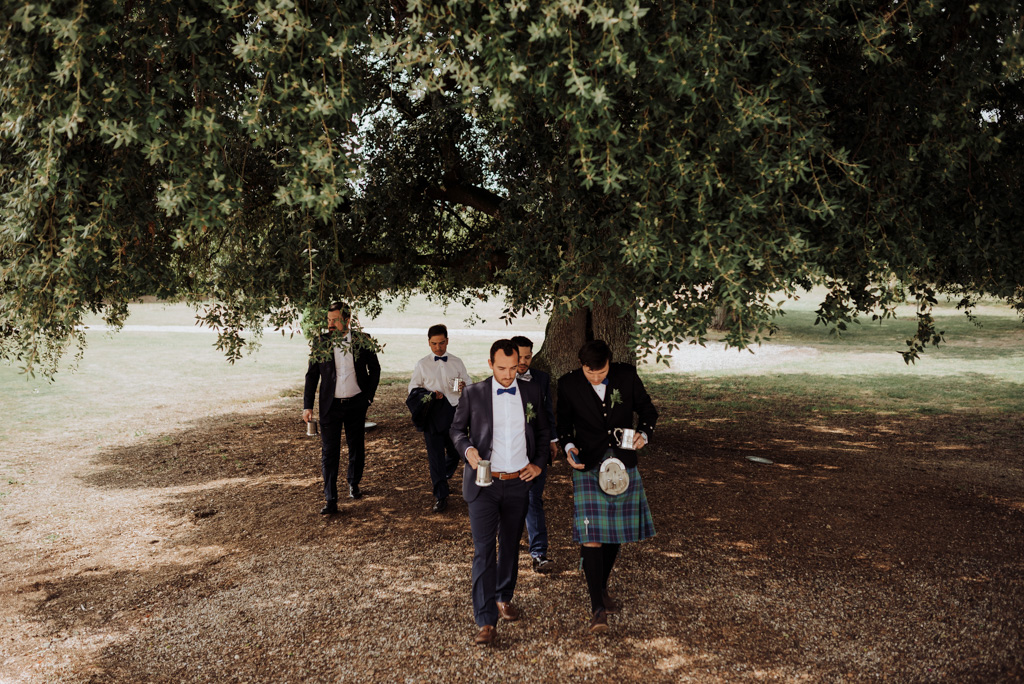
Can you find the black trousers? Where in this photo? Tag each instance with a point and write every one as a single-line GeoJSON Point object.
{"type": "Point", "coordinates": [441, 455]}
{"type": "Point", "coordinates": [350, 415]}
{"type": "Point", "coordinates": [498, 512]}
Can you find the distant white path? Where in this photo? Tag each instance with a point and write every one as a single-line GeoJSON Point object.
{"type": "Point", "coordinates": [689, 358]}
{"type": "Point", "coordinates": [716, 356]}
{"type": "Point", "coordinates": [469, 332]}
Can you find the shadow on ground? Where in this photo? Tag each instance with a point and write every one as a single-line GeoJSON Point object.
{"type": "Point", "coordinates": [871, 547]}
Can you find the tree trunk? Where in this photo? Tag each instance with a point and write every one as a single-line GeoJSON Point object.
{"type": "Point", "coordinates": [723, 317]}
{"type": "Point", "coordinates": [564, 336]}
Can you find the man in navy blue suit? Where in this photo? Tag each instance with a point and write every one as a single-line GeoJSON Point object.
{"type": "Point", "coordinates": [536, 525]}
{"type": "Point", "coordinates": [503, 421]}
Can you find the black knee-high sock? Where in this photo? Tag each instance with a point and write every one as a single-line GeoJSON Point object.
{"type": "Point", "coordinates": [611, 552]}
{"type": "Point", "coordinates": [593, 570]}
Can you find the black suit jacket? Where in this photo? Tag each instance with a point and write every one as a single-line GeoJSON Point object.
{"type": "Point", "coordinates": [543, 381]}
{"type": "Point", "coordinates": [587, 422]}
{"type": "Point", "coordinates": [473, 426]}
{"type": "Point", "coordinates": [323, 372]}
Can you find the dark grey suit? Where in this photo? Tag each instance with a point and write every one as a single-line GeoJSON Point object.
{"type": "Point", "coordinates": [498, 511]}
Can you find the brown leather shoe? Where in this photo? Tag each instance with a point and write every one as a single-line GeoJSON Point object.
{"type": "Point", "coordinates": [509, 612]}
{"type": "Point", "coordinates": [486, 635]}
{"type": "Point", "coordinates": [610, 604]}
{"type": "Point", "coordinates": [599, 623]}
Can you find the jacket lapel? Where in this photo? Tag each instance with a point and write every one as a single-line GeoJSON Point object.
{"type": "Point", "coordinates": [594, 401]}
{"type": "Point", "coordinates": [488, 419]}
{"type": "Point", "coordinates": [529, 428]}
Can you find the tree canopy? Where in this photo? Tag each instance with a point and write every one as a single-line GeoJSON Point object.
{"type": "Point", "coordinates": [644, 162]}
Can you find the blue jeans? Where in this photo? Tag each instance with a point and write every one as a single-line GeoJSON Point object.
{"type": "Point", "coordinates": [536, 527]}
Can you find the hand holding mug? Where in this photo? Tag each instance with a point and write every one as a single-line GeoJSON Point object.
{"type": "Point", "coordinates": [473, 456]}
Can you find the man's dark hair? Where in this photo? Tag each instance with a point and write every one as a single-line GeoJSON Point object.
{"type": "Point", "coordinates": [508, 347]}
{"type": "Point", "coordinates": [439, 329]}
{"type": "Point", "coordinates": [346, 312]}
{"type": "Point", "coordinates": [521, 341]}
{"type": "Point", "coordinates": [595, 354]}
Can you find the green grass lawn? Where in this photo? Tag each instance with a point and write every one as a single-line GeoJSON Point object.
{"type": "Point", "coordinates": [979, 368]}
{"type": "Point", "coordinates": [133, 372]}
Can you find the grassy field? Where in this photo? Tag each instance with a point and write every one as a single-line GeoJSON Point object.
{"type": "Point", "coordinates": [979, 368]}
{"type": "Point", "coordinates": [136, 372]}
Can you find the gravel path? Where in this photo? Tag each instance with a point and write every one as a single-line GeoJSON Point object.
{"type": "Point", "coordinates": [874, 548]}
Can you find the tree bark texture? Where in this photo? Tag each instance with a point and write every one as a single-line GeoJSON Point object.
{"type": "Point", "coordinates": [723, 316]}
{"type": "Point", "coordinates": [564, 335]}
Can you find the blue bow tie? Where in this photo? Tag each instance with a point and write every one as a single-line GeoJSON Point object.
{"type": "Point", "coordinates": [510, 390]}
{"type": "Point", "coordinates": [441, 358]}
{"type": "Point", "coordinates": [605, 381]}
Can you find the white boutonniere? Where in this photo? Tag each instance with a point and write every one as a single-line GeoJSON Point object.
{"type": "Point", "coordinates": [616, 398]}
{"type": "Point", "coordinates": [530, 414]}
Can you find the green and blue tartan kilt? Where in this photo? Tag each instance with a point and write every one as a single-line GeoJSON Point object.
{"type": "Point", "coordinates": [607, 519]}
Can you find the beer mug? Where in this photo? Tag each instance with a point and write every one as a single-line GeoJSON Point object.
{"type": "Point", "coordinates": [457, 385]}
{"type": "Point", "coordinates": [483, 474]}
{"type": "Point", "coordinates": [625, 439]}
{"type": "Point", "coordinates": [313, 428]}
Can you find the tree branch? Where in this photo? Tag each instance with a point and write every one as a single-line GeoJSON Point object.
{"type": "Point", "coordinates": [457, 192]}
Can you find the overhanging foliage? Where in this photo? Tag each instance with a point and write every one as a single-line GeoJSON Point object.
{"type": "Point", "coordinates": [663, 158]}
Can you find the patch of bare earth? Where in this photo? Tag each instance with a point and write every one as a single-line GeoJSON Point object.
{"type": "Point", "coordinates": [874, 547]}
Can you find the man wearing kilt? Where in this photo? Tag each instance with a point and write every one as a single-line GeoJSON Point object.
{"type": "Point", "coordinates": [593, 401]}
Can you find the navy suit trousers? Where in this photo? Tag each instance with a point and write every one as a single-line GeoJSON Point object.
{"type": "Point", "coordinates": [498, 512]}
{"type": "Point", "coordinates": [443, 460]}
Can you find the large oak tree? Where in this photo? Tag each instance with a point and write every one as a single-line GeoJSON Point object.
{"type": "Point", "coordinates": [631, 166]}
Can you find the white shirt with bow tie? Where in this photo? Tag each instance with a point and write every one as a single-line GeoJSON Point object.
{"type": "Point", "coordinates": [508, 436]}
{"type": "Point", "coordinates": [437, 376]}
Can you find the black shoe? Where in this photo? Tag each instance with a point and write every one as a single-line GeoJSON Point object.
{"type": "Point", "coordinates": [354, 493]}
{"type": "Point", "coordinates": [330, 509]}
{"type": "Point", "coordinates": [542, 564]}
{"type": "Point", "coordinates": [440, 505]}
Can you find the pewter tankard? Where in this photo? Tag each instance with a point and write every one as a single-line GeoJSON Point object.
{"type": "Point", "coordinates": [312, 427]}
{"type": "Point", "coordinates": [625, 439]}
{"type": "Point", "coordinates": [483, 474]}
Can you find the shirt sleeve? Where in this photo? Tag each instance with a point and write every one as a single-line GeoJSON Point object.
{"type": "Point", "coordinates": [464, 373]}
{"type": "Point", "coordinates": [417, 378]}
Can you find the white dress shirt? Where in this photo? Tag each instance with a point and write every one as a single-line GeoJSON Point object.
{"type": "Point", "coordinates": [508, 438]}
{"type": "Point", "coordinates": [345, 366]}
{"type": "Point", "coordinates": [437, 376]}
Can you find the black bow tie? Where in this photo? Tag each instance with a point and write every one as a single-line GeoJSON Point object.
{"type": "Point", "coordinates": [441, 358]}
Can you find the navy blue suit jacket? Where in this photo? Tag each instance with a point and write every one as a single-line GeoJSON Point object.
{"type": "Point", "coordinates": [474, 427]}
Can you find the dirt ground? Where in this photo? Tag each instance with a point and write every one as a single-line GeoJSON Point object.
{"type": "Point", "coordinates": [874, 547]}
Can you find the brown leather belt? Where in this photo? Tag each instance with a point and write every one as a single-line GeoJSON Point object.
{"type": "Point", "coordinates": [504, 476]}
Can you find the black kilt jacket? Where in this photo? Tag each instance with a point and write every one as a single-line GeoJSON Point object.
{"type": "Point", "coordinates": [587, 422]}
